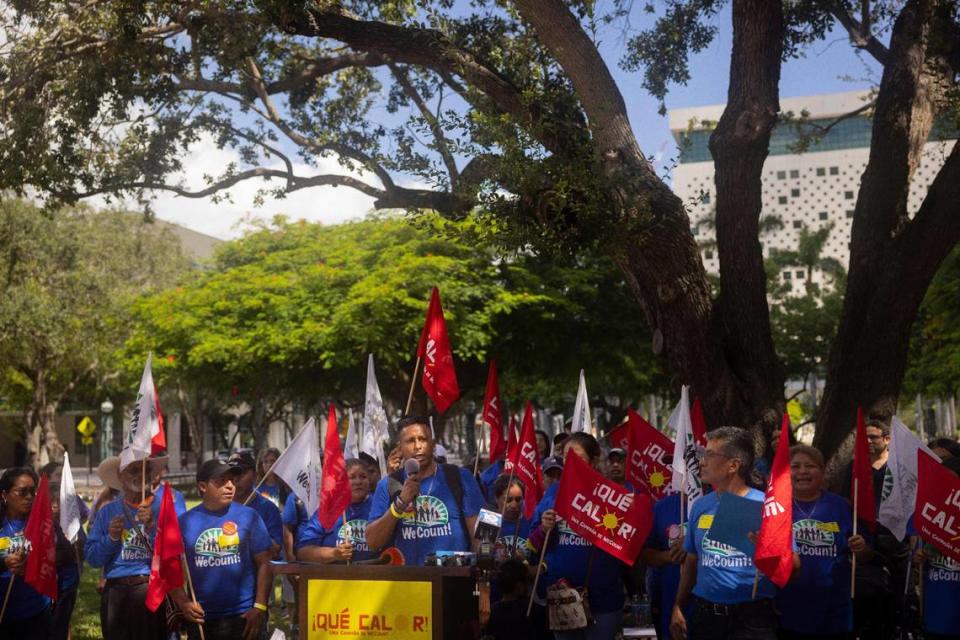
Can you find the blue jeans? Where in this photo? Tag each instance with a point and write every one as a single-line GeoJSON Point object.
{"type": "Point", "coordinates": [604, 627]}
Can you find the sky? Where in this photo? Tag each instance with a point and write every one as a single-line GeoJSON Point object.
{"type": "Point", "coordinates": [828, 66]}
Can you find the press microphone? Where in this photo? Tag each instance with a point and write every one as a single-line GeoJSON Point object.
{"type": "Point", "coordinates": [411, 466]}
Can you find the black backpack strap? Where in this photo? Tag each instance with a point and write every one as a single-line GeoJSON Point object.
{"type": "Point", "coordinates": [454, 481]}
{"type": "Point", "coordinates": [394, 484]}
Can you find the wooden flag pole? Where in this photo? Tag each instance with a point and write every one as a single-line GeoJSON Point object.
{"type": "Point", "coordinates": [853, 560]}
{"type": "Point", "coordinates": [193, 593]}
{"type": "Point", "coordinates": [476, 460]}
{"type": "Point", "coordinates": [143, 482]}
{"type": "Point", "coordinates": [6, 598]}
{"type": "Point", "coordinates": [536, 578]}
{"type": "Point", "coordinates": [756, 582]}
{"type": "Point", "coordinates": [413, 384]}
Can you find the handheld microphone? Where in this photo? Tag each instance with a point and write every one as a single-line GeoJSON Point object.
{"type": "Point", "coordinates": [411, 466]}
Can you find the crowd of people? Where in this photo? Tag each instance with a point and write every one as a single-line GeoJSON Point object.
{"type": "Point", "coordinates": [696, 587]}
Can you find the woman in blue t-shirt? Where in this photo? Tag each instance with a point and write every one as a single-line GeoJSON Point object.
{"type": "Point", "coordinates": [27, 615]}
{"type": "Point", "coordinates": [816, 602]}
{"type": "Point", "coordinates": [569, 556]}
{"type": "Point", "coordinates": [512, 541]}
{"type": "Point", "coordinates": [345, 541]}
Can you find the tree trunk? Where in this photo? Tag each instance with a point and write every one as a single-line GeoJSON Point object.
{"type": "Point", "coordinates": [892, 258]}
{"type": "Point", "coordinates": [41, 414]}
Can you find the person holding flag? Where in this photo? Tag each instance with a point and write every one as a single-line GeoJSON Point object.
{"type": "Point", "coordinates": [728, 602]}
{"type": "Point", "coordinates": [497, 464]}
{"type": "Point", "coordinates": [816, 602]}
{"type": "Point", "coordinates": [246, 466]}
{"type": "Point", "coordinates": [432, 509]}
{"type": "Point", "coordinates": [663, 556]}
{"type": "Point", "coordinates": [120, 541]}
{"type": "Point", "coordinates": [569, 556]}
{"type": "Point", "coordinates": [345, 541]}
{"type": "Point", "coordinates": [228, 551]}
{"type": "Point", "coordinates": [515, 529]}
{"type": "Point", "coordinates": [68, 517]}
{"type": "Point", "coordinates": [25, 613]}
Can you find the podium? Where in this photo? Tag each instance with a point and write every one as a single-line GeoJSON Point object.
{"type": "Point", "coordinates": [382, 601]}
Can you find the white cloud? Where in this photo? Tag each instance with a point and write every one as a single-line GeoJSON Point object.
{"type": "Point", "coordinates": [225, 220]}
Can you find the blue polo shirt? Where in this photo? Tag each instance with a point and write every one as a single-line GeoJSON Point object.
{"type": "Point", "coordinates": [129, 556]}
{"type": "Point", "coordinates": [315, 535]}
{"type": "Point", "coordinates": [221, 547]}
{"type": "Point", "coordinates": [24, 601]}
{"type": "Point", "coordinates": [724, 574]}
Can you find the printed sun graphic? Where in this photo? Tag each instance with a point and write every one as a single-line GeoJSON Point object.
{"type": "Point", "coordinates": [657, 479]}
{"type": "Point", "coordinates": [610, 521]}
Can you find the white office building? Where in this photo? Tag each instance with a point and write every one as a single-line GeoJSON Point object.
{"type": "Point", "coordinates": [810, 189]}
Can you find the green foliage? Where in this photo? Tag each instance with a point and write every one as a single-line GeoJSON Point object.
{"type": "Point", "coordinates": [934, 365]}
{"type": "Point", "coordinates": [291, 310]}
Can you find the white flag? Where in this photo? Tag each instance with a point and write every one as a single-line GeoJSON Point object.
{"type": "Point", "coordinates": [145, 423]}
{"type": "Point", "coordinates": [351, 446]}
{"type": "Point", "coordinates": [686, 463]}
{"type": "Point", "coordinates": [69, 507]}
{"type": "Point", "coordinates": [375, 429]}
{"type": "Point", "coordinates": [299, 466]}
{"type": "Point", "coordinates": [900, 481]}
{"type": "Point", "coordinates": [581, 410]}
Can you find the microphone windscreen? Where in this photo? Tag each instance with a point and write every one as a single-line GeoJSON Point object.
{"type": "Point", "coordinates": [411, 466]}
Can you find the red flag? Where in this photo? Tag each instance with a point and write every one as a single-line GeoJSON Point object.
{"type": "Point", "coordinates": [511, 437]}
{"type": "Point", "coordinates": [774, 552]}
{"type": "Point", "coordinates": [524, 459]}
{"type": "Point", "coordinates": [937, 513]}
{"type": "Point", "coordinates": [862, 483]}
{"type": "Point", "coordinates": [699, 422]}
{"type": "Point", "coordinates": [619, 436]}
{"type": "Point", "coordinates": [493, 414]}
{"type": "Point", "coordinates": [158, 444]}
{"type": "Point", "coordinates": [647, 451]}
{"type": "Point", "coordinates": [334, 485]}
{"type": "Point", "coordinates": [166, 570]}
{"type": "Point", "coordinates": [41, 570]}
{"type": "Point", "coordinates": [602, 511]}
{"type": "Point", "coordinates": [439, 378]}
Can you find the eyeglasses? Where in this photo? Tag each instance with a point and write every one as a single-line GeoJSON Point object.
{"type": "Point", "coordinates": [709, 455]}
{"type": "Point", "coordinates": [24, 492]}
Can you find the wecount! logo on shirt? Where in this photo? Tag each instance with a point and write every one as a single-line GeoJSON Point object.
{"type": "Point", "coordinates": [356, 532]}
{"type": "Point", "coordinates": [218, 546]}
{"type": "Point", "coordinates": [135, 545]}
{"type": "Point", "coordinates": [429, 519]}
{"type": "Point", "coordinates": [717, 554]}
{"type": "Point", "coordinates": [815, 538]}
{"type": "Point", "coordinates": [13, 544]}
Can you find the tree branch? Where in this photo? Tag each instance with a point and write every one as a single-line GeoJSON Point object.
{"type": "Point", "coordinates": [859, 32]}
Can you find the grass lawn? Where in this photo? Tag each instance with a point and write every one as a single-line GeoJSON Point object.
{"type": "Point", "coordinates": [86, 615]}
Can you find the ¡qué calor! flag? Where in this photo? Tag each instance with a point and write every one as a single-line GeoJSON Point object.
{"type": "Point", "coordinates": [334, 485]}
{"type": "Point", "coordinates": [862, 484]}
{"type": "Point", "coordinates": [166, 570]}
{"type": "Point", "coordinates": [511, 438]}
{"type": "Point", "coordinates": [698, 422]}
{"type": "Point", "coordinates": [525, 462]}
{"type": "Point", "coordinates": [619, 436]}
{"type": "Point", "coordinates": [647, 453]}
{"type": "Point", "coordinates": [937, 514]}
{"type": "Point", "coordinates": [493, 414]}
{"type": "Point", "coordinates": [608, 514]}
{"type": "Point", "coordinates": [41, 569]}
{"type": "Point", "coordinates": [774, 552]}
{"type": "Point", "coordinates": [439, 377]}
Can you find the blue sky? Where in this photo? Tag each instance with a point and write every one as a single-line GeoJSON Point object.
{"type": "Point", "coordinates": [828, 66]}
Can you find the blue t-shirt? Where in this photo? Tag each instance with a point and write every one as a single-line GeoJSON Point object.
{"type": "Point", "coordinates": [313, 534]}
{"type": "Point", "coordinates": [436, 522]}
{"type": "Point", "coordinates": [568, 556]}
{"type": "Point", "coordinates": [514, 535]}
{"type": "Point", "coordinates": [488, 476]}
{"type": "Point", "coordinates": [179, 504]}
{"type": "Point", "coordinates": [665, 580]}
{"type": "Point", "coordinates": [724, 574]}
{"type": "Point", "coordinates": [129, 556]}
{"type": "Point", "coordinates": [24, 601]}
{"type": "Point", "coordinates": [271, 493]}
{"type": "Point", "coordinates": [220, 549]}
{"type": "Point", "coordinates": [816, 601]}
{"type": "Point", "coordinates": [294, 513]}
{"type": "Point", "coordinates": [941, 593]}
{"type": "Point", "coordinates": [270, 515]}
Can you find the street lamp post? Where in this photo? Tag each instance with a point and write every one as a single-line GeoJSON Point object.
{"type": "Point", "coordinates": [106, 437]}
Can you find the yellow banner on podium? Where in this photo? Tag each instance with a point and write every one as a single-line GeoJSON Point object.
{"type": "Point", "coordinates": [369, 609]}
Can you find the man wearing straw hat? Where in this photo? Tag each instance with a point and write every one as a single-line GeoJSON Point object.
{"type": "Point", "coordinates": [121, 542]}
{"type": "Point", "coordinates": [228, 554]}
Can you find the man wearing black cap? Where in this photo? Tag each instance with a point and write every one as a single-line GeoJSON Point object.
{"type": "Point", "coordinates": [246, 468]}
{"type": "Point", "coordinates": [228, 553]}
{"type": "Point", "coordinates": [615, 469]}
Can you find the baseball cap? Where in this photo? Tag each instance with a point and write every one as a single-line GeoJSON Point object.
{"type": "Point", "coordinates": [214, 469]}
{"type": "Point", "coordinates": [616, 451]}
{"type": "Point", "coordinates": [243, 461]}
{"type": "Point", "coordinates": [551, 463]}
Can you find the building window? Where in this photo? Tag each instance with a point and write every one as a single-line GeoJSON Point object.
{"type": "Point", "coordinates": [834, 171]}
{"type": "Point", "coordinates": [797, 224]}
{"type": "Point", "coordinates": [787, 275]}
{"type": "Point", "coordinates": [823, 215]}
{"type": "Point", "coordinates": [821, 171]}
{"type": "Point", "coordinates": [801, 275]}
{"type": "Point", "coordinates": [794, 173]}
{"type": "Point", "coordinates": [781, 175]}
{"type": "Point", "coordinates": [794, 193]}
{"type": "Point", "coordinates": [782, 200]}
{"type": "Point", "coordinates": [849, 213]}
{"type": "Point", "coordinates": [848, 195]}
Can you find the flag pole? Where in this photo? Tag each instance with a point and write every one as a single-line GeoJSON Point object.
{"type": "Point", "coordinates": [143, 482]}
{"type": "Point", "coordinates": [536, 578]}
{"type": "Point", "coordinates": [476, 459]}
{"type": "Point", "coordinates": [6, 598]}
{"type": "Point", "coordinates": [756, 582]}
{"type": "Point", "coordinates": [413, 384]}
{"type": "Point", "coordinates": [853, 560]}
{"type": "Point", "coordinates": [193, 593]}
{"type": "Point", "coordinates": [346, 529]}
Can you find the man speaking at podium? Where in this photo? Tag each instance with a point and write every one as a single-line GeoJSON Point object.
{"type": "Point", "coordinates": [426, 506]}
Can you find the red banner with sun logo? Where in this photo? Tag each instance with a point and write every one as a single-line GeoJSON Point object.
{"type": "Point", "coordinates": [649, 454]}
{"type": "Point", "coordinates": [608, 514]}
